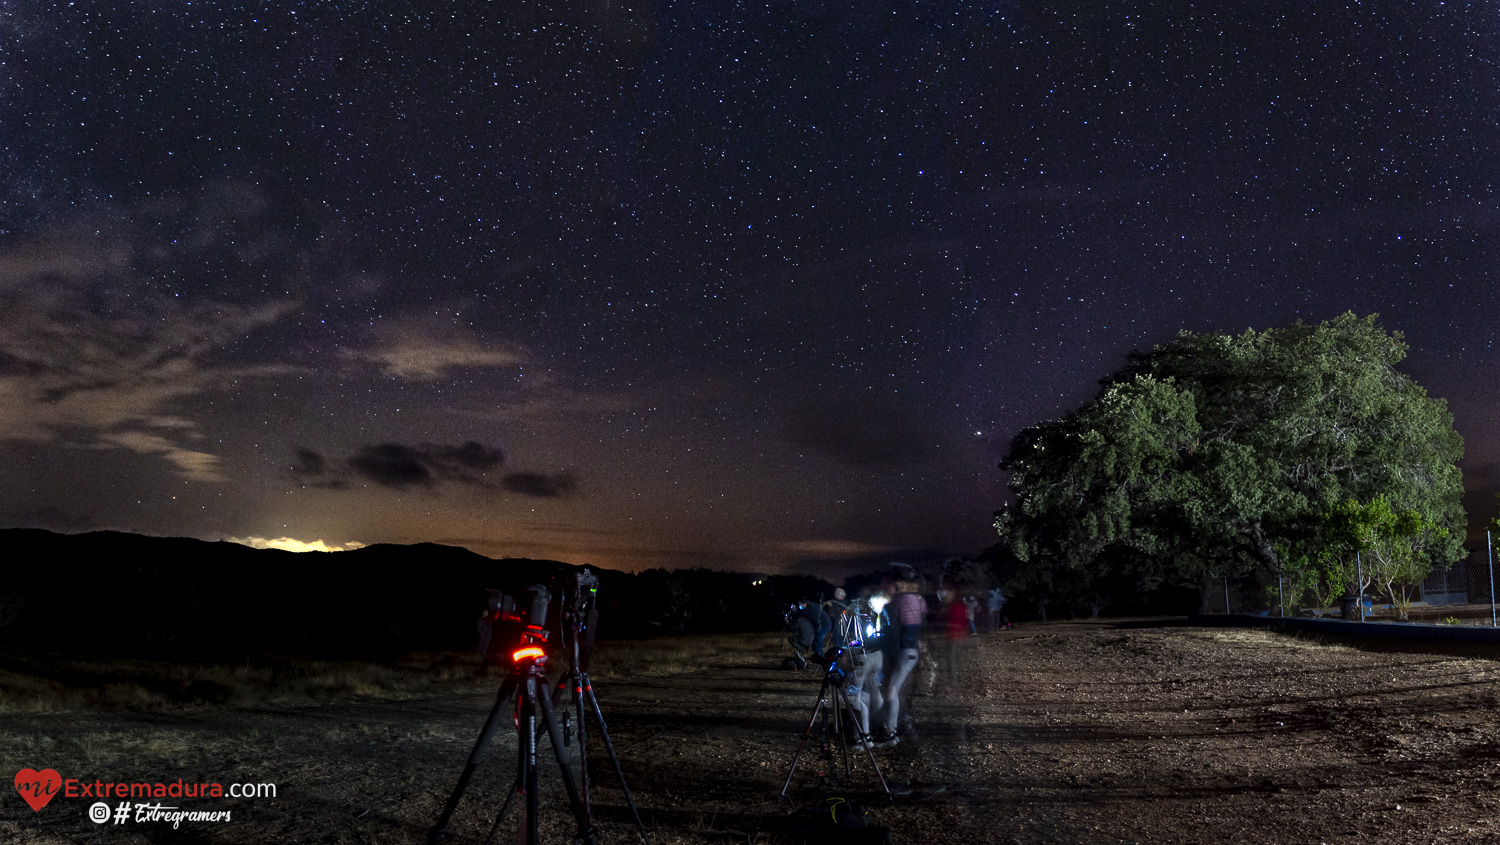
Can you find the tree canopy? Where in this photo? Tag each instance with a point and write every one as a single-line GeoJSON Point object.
{"type": "Point", "coordinates": [1214, 453]}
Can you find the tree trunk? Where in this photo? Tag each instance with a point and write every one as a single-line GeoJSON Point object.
{"type": "Point", "coordinates": [1263, 547]}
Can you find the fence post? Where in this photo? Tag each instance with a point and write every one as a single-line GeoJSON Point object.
{"type": "Point", "coordinates": [1489, 547]}
{"type": "Point", "coordinates": [1226, 595]}
{"type": "Point", "coordinates": [1359, 585]}
{"type": "Point", "coordinates": [1281, 594]}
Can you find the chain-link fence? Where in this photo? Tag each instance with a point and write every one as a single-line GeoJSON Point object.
{"type": "Point", "coordinates": [1464, 593]}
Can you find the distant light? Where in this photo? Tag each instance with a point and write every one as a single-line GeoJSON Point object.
{"type": "Point", "coordinates": [288, 544]}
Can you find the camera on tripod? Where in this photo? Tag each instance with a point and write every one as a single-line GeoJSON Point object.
{"type": "Point", "coordinates": [579, 611]}
{"type": "Point", "coordinates": [585, 590]}
{"type": "Point", "coordinates": [524, 701]}
{"type": "Point", "coordinates": [521, 622]}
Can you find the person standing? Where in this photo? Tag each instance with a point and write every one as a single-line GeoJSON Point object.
{"type": "Point", "coordinates": [870, 628]}
{"type": "Point", "coordinates": [818, 617]}
{"type": "Point", "coordinates": [800, 630]}
{"type": "Point", "coordinates": [907, 612]}
{"type": "Point", "coordinates": [956, 625]}
{"type": "Point", "coordinates": [995, 601]}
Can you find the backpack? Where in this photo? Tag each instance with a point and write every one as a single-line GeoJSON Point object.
{"type": "Point", "coordinates": [838, 821]}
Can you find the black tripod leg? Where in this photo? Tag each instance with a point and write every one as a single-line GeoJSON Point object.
{"type": "Point", "coordinates": [841, 725]}
{"type": "Point", "coordinates": [500, 816]}
{"type": "Point", "coordinates": [805, 734]}
{"type": "Point", "coordinates": [584, 791]}
{"type": "Point", "coordinates": [588, 692]}
{"type": "Point", "coordinates": [585, 824]}
{"type": "Point", "coordinates": [490, 726]}
{"type": "Point", "coordinates": [532, 694]}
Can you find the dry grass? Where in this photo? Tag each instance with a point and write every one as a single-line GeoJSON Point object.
{"type": "Point", "coordinates": [672, 655]}
{"type": "Point", "coordinates": [95, 750]}
{"type": "Point", "coordinates": [1258, 637]}
{"type": "Point", "coordinates": [49, 682]}
{"type": "Point", "coordinates": [38, 682]}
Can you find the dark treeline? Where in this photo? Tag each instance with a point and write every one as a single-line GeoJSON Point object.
{"type": "Point", "coordinates": [1037, 594]}
{"type": "Point", "coordinates": [131, 594]}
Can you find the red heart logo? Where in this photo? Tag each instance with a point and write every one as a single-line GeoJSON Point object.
{"type": "Point", "coordinates": [38, 787]}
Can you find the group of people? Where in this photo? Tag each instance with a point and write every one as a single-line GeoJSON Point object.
{"type": "Point", "coordinates": [882, 631]}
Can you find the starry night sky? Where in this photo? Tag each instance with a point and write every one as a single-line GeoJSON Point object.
{"type": "Point", "coordinates": [764, 286]}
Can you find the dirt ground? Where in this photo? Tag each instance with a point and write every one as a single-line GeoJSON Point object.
{"type": "Point", "coordinates": [1147, 731]}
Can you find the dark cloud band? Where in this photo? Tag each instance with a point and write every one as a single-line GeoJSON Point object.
{"type": "Point", "coordinates": [402, 466]}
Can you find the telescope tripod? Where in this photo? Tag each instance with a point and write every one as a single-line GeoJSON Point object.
{"type": "Point", "coordinates": [839, 720]}
{"type": "Point", "coordinates": [577, 682]}
{"type": "Point", "coordinates": [526, 683]}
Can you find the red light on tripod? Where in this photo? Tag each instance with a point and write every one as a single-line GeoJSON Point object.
{"type": "Point", "coordinates": [530, 651]}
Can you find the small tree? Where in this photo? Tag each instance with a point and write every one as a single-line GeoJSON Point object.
{"type": "Point", "coordinates": [1394, 546]}
{"type": "Point", "coordinates": [1400, 554]}
{"type": "Point", "coordinates": [1348, 529]}
{"type": "Point", "coordinates": [1300, 578]}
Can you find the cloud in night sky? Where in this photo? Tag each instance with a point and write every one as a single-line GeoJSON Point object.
{"type": "Point", "coordinates": [314, 470]}
{"type": "Point", "coordinates": [395, 465]}
{"type": "Point", "coordinates": [402, 466]}
{"type": "Point", "coordinates": [413, 353]}
{"type": "Point", "coordinates": [192, 465]}
{"type": "Point", "coordinates": [92, 357]}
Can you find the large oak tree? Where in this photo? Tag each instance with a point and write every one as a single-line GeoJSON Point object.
{"type": "Point", "coordinates": [1214, 453]}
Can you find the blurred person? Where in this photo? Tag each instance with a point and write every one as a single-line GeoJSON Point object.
{"type": "Point", "coordinates": [800, 629]}
{"type": "Point", "coordinates": [994, 601]}
{"type": "Point", "coordinates": [818, 619]}
{"type": "Point", "coordinates": [924, 679]}
{"type": "Point", "coordinates": [907, 610]}
{"type": "Point", "coordinates": [839, 618]}
{"type": "Point", "coordinates": [956, 623]}
{"type": "Point", "coordinates": [869, 627]}
{"type": "Point", "coordinates": [822, 623]}
{"type": "Point", "coordinates": [485, 631]}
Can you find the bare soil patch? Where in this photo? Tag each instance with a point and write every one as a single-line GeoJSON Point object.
{"type": "Point", "coordinates": [1107, 732]}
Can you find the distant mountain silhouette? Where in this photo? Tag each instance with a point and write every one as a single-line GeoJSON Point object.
{"type": "Point", "coordinates": [128, 593]}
